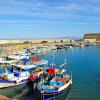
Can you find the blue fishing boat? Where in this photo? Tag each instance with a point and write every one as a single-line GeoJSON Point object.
{"type": "Point", "coordinates": [56, 82]}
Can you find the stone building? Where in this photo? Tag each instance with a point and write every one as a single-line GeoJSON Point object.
{"type": "Point", "coordinates": [95, 37]}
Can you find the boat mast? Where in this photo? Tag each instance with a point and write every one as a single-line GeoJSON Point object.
{"type": "Point", "coordinates": [53, 60]}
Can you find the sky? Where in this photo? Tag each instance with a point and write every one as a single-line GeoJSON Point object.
{"type": "Point", "coordinates": [28, 19]}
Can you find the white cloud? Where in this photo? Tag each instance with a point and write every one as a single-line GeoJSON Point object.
{"type": "Point", "coordinates": [73, 10]}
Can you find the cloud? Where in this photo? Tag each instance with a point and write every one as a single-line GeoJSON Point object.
{"type": "Point", "coordinates": [49, 11]}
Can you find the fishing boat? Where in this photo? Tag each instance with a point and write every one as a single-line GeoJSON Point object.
{"type": "Point", "coordinates": [18, 73]}
{"type": "Point", "coordinates": [53, 47]}
{"type": "Point", "coordinates": [59, 46]}
{"type": "Point", "coordinates": [25, 52]}
{"type": "Point", "coordinates": [56, 83]}
{"type": "Point", "coordinates": [18, 56]}
{"type": "Point", "coordinates": [7, 60]}
{"type": "Point", "coordinates": [37, 51]}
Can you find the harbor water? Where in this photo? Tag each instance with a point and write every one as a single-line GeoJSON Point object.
{"type": "Point", "coordinates": [85, 64]}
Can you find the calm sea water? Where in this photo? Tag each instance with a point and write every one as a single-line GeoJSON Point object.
{"type": "Point", "coordinates": [86, 71]}
{"type": "Point", "coordinates": [85, 64]}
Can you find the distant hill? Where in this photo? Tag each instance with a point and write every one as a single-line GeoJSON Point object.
{"type": "Point", "coordinates": [72, 38]}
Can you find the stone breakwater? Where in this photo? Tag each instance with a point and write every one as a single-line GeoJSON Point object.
{"type": "Point", "coordinates": [33, 41]}
{"type": "Point", "coordinates": [13, 46]}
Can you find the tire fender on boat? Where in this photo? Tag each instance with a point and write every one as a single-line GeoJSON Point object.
{"type": "Point", "coordinates": [17, 81]}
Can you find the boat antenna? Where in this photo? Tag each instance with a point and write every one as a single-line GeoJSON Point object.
{"type": "Point", "coordinates": [63, 64]}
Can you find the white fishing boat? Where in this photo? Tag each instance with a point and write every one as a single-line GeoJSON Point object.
{"type": "Point", "coordinates": [18, 56]}
{"type": "Point", "coordinates": [53, 47]}
{"type": "Point", "coordinates": [8, 60]}
{"type": "Point", "coordinates": [18, 73]}
{"type": "Point", "coordinates": [25, 52]}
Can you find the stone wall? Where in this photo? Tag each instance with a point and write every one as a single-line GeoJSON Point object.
{"type": "Point", "coordinates": [33, 41]}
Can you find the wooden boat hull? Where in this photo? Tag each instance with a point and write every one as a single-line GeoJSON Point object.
{"type": "Point", "coordinates": [52, 95]}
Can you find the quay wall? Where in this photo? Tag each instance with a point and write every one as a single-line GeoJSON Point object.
{"type": "Point", "coordinates": [33, 41]}
{"type": "Point", "coordinates": [14, 46]}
